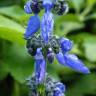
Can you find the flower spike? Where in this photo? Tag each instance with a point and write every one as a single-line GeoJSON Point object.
{"type": "Point", "coordinates": [44, 46]}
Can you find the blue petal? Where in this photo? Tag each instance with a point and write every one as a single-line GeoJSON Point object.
{"type": "Point", "coordinates": [40, 66]}
{"type": "Point", "coordinates": [66, 44]}
{"type": "Point", "coordinates": [60, 58]}
{"type": "Point", "coordinates": [33, 26]}
{"type": "Point", "coordinates": [47, 26]}
{"type": "Point", "coordinates": [27, 7]}
{"type": "Point", "coordinates": [76, 64]}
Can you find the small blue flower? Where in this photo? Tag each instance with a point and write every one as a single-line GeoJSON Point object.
{"type": "Point", "coordinates": [72, 61]}
{"type": "Point", "coordinates": [66, 45]}
{"type": "Point", "coordinates": [33, 26]}
{"type": "Point", "coordinates": [27, 7]}
{"type": "Point", "coordinates": [47, 25]}
{"type": "Point", "coordinates": [40, 66]}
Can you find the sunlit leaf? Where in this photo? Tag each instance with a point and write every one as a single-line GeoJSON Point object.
{"type": "Point", "coordinates": [11, 30]}
{"type": "Point", "coordinates": [88, 42]}
{"type": "Point", "coordinates": [78, 4]}
{"type": "Point", "coordinates": [15, 11]}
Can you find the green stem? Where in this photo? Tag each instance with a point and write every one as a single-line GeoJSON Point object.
{"type": "Point", "coordinates": [16, 91]}
{"type": "Point", "coordinates": [41, 89]}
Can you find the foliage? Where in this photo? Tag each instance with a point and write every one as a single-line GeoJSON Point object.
{"type": "Point", "coordinates": [16, 65]}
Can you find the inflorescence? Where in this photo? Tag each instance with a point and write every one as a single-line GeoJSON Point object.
{"type": "Point", "coordinates": [46, 46]}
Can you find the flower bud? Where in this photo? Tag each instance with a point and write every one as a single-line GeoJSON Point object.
{"type": "Point", "coordinates": [50, 55]}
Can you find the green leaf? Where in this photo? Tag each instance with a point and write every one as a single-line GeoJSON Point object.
{"type": "Point", "coordinates": [3, 71]}
{"type": "Point", "coordinates": [83, 85]}
{"type": "Point", "coordinates": [90, 48]}
{"type": "Point", "coordinates": [66, 27]}
{"type": "Point", "coordinates": [92, 16]}
{"type": "Point", "coordinates": [88, 42]}
{"type": "Point", "coordinates": [67, 23]}
{"type": "Point", "coordinates": [19, 63]}
{"type": "Point", "coordinates": [68, 17]}
{"type": "Point", "coordinates": [78, 4]}
{"type": "Point", "coordinates": [91, 2]}
{"type": "Point", "coordinates": [11, 30]}
{"type": "Point", "coordinates": [15, 11]}
{"type": "Point", "coordinates": [89, 5]}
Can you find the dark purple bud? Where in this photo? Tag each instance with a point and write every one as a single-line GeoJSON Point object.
{"type": "Point", "coordinates": [50, 55]}
{"type": "Point", "coordinates": [35, 7]}
{"type": "Point", "coordinates": [60, 8]}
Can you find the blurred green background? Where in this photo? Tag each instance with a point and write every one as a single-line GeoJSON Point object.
{"type": "Point", "coordinates": [16, 64]}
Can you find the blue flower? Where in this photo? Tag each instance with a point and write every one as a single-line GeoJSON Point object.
{"type": "Point", "coordinates": [47, 25]}
{"type": "Point", "coordinates": [27, 7]}
{"type": "Point", "coordinates": [40, 66]}
{"type": "Point", "coordinates": [72, 61]}
{"type": "Point", "coordinates": [66, 45]}
{"type": "Point", "coordinates": [33, 26]}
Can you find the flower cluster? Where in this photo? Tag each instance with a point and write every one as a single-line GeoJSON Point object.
{"type": "Point", "coordinates": [46, 46]}
{"type": "Point", "coordinates": [52, 87]}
